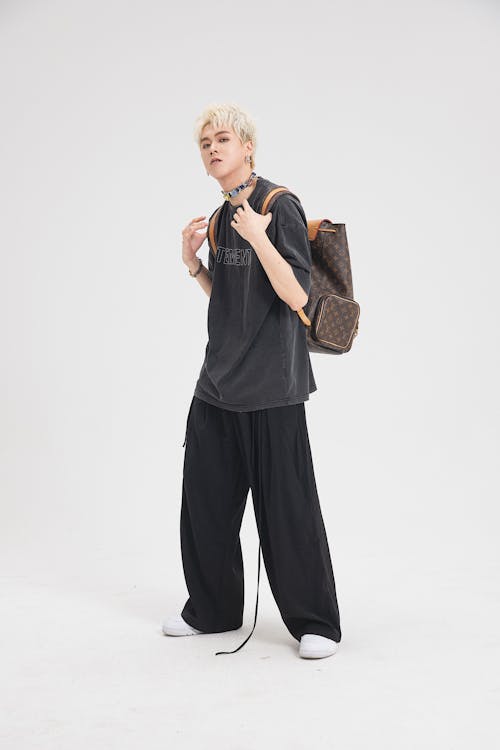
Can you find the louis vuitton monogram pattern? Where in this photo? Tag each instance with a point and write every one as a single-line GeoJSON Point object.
{"type": "Point", "coordinates": [331, 315]}
{"type": "Point", "coordinates": [335, 322]}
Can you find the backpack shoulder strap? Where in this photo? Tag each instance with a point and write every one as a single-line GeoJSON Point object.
{"type": "Point", "coordinates": [211, 231]}
{"type": "Point", "coordinates": [270, 195]}
{"type": "Point", "coordinates": [213, 221]}
{"type": "Point", "coordinates": [267, 200]}
{"type": "Point", "coordinates": [313, 225]}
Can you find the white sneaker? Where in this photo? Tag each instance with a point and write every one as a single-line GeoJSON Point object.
{"type": "Point", "coordinates": [316, 646]}
{"type": "Point", "coordinates": [176, 625]}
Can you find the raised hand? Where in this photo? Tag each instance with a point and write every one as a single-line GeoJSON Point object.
{"type": "Point", "coordinates": [248, 223]}
{"type": "Point", "coordinates": [191, 240]}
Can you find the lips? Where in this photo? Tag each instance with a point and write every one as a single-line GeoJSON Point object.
{"type": "Point", "coordinates": [215, 161]}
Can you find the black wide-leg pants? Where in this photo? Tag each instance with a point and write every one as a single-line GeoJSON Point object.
{"type": "Point", "coordinates": [268, 451]}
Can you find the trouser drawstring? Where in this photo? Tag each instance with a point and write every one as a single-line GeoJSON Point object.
{"type": "Point", "coordinates": [255, 619]}
{"type": "Point", "coordinates": [257, 426]}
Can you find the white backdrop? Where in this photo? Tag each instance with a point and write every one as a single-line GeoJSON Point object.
{"type": "Point", "coordinates": [384, 116]}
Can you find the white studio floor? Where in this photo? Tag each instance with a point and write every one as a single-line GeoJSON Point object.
{"type": "Point", "coordinates": [84, 665]}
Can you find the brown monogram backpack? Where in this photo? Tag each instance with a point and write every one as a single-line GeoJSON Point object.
{"type": "Point", "coordinates": [331, 315]}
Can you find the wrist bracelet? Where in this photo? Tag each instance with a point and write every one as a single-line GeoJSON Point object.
{"type": "Point", "coordinates": [199, 269]}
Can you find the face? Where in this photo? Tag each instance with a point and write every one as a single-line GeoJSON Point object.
{"type": "Point", "coordinates": [222, 143]}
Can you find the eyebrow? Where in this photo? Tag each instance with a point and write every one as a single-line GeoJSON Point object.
{"type": "Point", "coordinates": [206, 138]}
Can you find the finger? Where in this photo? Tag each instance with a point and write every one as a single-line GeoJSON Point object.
{"type": "Point", "coordinates": [197, 218]}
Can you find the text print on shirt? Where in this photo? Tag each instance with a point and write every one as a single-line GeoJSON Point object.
{"type": "Point", "coordinates": [256, 355]}
{"type": "Point", "coordinates": [234, 256]}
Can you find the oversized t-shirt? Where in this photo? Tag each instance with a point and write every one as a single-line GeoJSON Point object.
{"type": "Point", "coordinates": [256, 356]}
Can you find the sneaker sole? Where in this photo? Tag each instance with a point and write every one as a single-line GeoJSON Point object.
{"type": "Point", "coordinates": [316, 655]}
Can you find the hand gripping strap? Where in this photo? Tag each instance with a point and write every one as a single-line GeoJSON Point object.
{"type": "Point", "coordinates": [312, 230]}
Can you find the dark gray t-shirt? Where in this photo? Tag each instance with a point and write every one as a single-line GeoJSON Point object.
{"type": "Point", "coordinates": [256, 356]}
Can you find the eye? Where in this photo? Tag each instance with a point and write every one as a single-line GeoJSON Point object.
{"type": "Point", "coordinates": [223, 138]}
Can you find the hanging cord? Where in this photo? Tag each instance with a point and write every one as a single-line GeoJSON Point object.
{"type": "Point", "coordinates": [259, 526]}
{"type": "Point", "coordinates": [255, 619]}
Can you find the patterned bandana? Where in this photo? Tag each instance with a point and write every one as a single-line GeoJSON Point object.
{"type": "Point", "coordinates": [231, 193]}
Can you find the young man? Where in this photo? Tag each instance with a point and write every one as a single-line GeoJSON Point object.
{"type": "Point", "coordinates": [246, 426]}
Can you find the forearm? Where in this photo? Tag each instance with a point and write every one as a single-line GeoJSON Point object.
{"type": "Point", "coordinates": [202, 278]}
{"type": "Point", "coordinates": [279, 273]}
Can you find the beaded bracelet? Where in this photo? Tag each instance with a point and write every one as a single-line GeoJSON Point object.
{"type": "Point", "coordinates": [198, 271]}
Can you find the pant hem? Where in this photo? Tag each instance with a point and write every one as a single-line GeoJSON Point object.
{"type": "Point", "coordinates": [314, 631]}
{"type": "Point", "coordinates": [211, 629]}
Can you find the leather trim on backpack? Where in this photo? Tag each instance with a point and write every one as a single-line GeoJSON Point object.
{"type": "Point", "coordinates": [211, 231]}
{"type": "Point", "coordinates": [313, 226]}
{"type": "Point", "coordinates": [271, 195]}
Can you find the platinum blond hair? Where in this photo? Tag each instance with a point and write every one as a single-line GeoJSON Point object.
{"type": "Point", "coordinates": [218, 115]}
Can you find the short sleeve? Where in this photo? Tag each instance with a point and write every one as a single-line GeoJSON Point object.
{"type": "Point", "coordinates": [291, 237]}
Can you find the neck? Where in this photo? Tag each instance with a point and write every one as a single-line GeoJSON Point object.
{"type": "Point", "coordinates": [228, 182]}
{"type": "Point", "coordinates": [238, 199]}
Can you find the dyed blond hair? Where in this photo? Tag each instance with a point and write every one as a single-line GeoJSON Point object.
{"type": "Point", "coordinates": [218, 115]}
